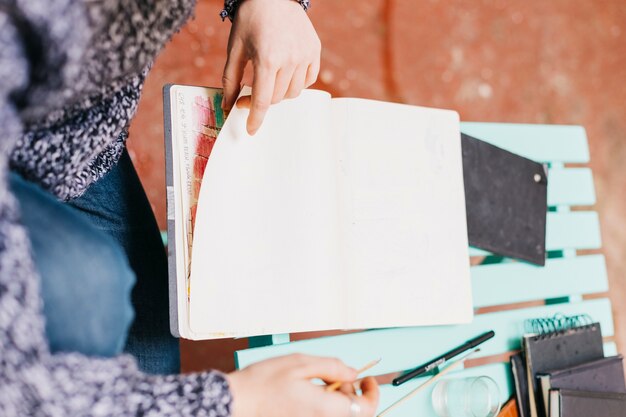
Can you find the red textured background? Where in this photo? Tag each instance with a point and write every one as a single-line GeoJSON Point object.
{"type": "Point", "coordinates": [533, 61]}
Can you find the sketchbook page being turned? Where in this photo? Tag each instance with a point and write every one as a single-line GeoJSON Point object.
{"type": "Point", "coordinates": [403, 206]}
{"type": "Point", "coordinates": [196, 118]}
{"type": "Point", "coordinates": [266, 254]}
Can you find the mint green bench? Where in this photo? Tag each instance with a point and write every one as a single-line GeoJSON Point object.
{"type": "Point", "coordinates": [562, 283]}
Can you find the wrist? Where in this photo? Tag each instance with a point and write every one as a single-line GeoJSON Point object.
{"type": "Point", "coordinates": [231, 6]}
{"type": "Point", "coordinates": [306, 4]}
{"type": "Point", "coordinates": [239, 401]}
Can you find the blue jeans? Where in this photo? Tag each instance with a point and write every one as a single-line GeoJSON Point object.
{"type": "Point", "coordinates": [89, 253]}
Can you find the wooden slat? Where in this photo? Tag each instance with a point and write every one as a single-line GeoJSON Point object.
{"type": "Point", "coordinates": [542, 143]}
{"type": "Point", "coordinates": [515, 282]}
{"type": "Point", "coordinates": [403, 348]}
{"type": "Point", "coordinates": [610, 349]}
{"type": "Point", "coordinates": [573, 230]}
{"type": "Point", "coordinates": [567, 230]}
{"type": "Point", "coordinates": [273, 339]}
{"type": "Point", "coordinates": [478, 252]}
{"type": "Point", "coordinates": [571, 187]}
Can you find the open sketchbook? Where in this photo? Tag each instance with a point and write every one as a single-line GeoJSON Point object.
{"type": "Point", "coordinates": [338, 214]}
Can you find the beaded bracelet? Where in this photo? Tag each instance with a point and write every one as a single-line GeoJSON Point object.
{"type": "Point", "coordinates": [230, 8]}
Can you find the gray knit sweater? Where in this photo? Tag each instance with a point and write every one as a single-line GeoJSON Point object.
{"type": "Point", "coordinates": [71, 72]}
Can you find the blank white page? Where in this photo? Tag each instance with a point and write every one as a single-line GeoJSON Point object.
{"type": "Point", "coordinates": [266, 247]}
{"type": "Point", "coordinates": [404, 205]}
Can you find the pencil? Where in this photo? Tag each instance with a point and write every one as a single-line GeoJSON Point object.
{"type": "Point", "coordinates": [335, 385]}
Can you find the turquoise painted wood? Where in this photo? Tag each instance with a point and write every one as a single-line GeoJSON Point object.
{"type": "Point", "coordinates": [567, 230]}
{"type": "Point", "coordinates": [270, 339]}
{"type": "Point", "coordinates": [610, 349]}
{"type": "Point", "coordinates": [573, 230]}
{"type": "Point", "coordinates": [564, 278]}
{"type": "Point", "coordinates": [542, 143]}
{"type": "Point", "coordinates": [571, 186]}
{"type": "Point", "coordinates": [509, 283]}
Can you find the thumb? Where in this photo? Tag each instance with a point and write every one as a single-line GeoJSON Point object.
{"type": "Point", "coordinates": [233, 73]}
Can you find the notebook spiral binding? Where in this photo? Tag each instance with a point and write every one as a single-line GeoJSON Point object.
{"type": "Point", "coordinates": [552, 326]}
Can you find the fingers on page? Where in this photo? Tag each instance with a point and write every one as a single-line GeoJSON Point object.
{"type": "Point", "coordinates": [297, 83]}
{"type": "Point", "coordinates": [283, 79]}
{"type": "Point", "coordinates": [312, 73]}
{"type": "Point", "coordinates": [233, 74]}
{"type": "Point", "coordinates": [262, 92]}
{"type": "Point", "coordinates": [244, 102]}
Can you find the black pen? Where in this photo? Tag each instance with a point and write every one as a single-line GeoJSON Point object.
{"type": "Point", "coordinates": [428, 366]}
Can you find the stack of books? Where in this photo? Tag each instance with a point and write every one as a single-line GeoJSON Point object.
{"type": "Point", "coordinates": [562, 372]}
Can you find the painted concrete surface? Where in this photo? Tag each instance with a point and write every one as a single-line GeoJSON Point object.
{"type": "Point", "coordinates": [560, 61]}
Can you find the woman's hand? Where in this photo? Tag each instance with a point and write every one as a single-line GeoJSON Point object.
{"type": "Point", "coordinates": [280, 41]}
{"type": "Point", "coordinates": [282, 387]}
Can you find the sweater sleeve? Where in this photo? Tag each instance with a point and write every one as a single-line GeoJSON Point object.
{"type": "Point", "coordinates": [34, 382]}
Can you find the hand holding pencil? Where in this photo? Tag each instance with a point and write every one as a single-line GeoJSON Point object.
{"type": "Point", "coordinates": [288, 382]}
{"type": "Point", "coordinates": [337, 384]}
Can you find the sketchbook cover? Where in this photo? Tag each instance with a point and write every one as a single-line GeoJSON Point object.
{"type": "Point", "coordinates": [505, 200]}
{"type": "Point", "coordinates": [569, 403]}
{"type": "Point", "coordinates": [171, 240]}
{"type": "Point", "coordinates": [200, 119]}
{"type": "Point", "coordinates": [602, 375]}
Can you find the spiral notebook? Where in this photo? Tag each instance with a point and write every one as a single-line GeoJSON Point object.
{"type": "Point", "coordinates": [558, 346]}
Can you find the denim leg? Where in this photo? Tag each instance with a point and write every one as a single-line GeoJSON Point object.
{"type": "Point", "coordinates": [117, 204]}
{"type": "Point", "coordinates": [85, 278]}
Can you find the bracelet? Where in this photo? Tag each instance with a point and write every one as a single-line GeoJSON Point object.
{"type": "Point", "coordinates": [230, 8]}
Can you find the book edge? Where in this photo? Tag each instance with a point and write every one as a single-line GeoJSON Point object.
{"type": "Point", "coordinates": [603, 362]}
{"type": "Point", "coordinates": [170, 202]}
{"type": "Point", "coordinates": [516, 381]}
